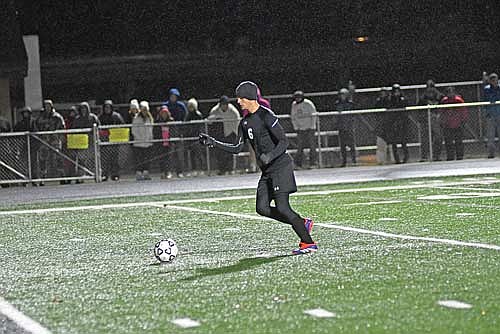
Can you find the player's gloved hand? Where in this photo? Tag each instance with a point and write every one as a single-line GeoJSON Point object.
{"type": "Point", "coordinates": [206, 140]}
{"type": "Point", "coordinates": [265, 158]}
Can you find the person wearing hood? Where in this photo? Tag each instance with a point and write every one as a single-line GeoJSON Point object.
{"type": "Point", "coordinates": [49, 162]}
{"type": "Point", "coordinates": [68, 166]}
{"type": "Point", "coordinates": [345, 126]}
{"type": "Point", "coordinates": [178, 110]}
{"type": "Point", "coordinates": [164, 149]}
{"type": "Point", "coordinates": [86, 119]}
{"type": "Point", "coordinates": [453, 121]}
{"type": "Point", "coordinates": [431, 96]}
{"type": "Point", "coordinates": [109, 153]}
{"type": "Point", "coordinates": [225, 112]}
{"type": "Point", "coordinates": [142, 131]}
{"type": "Point", "coordinates": [196, 153]}
{"type": "Point", "coordinates": [491, 93]}
{"type": "Point", "coordinates": [397, 126]}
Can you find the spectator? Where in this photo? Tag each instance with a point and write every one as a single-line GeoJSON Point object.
{"type": "Point", "coordinates": [26, 123]}
{"type": "Point", "coordinates": [49, 161]}
{"type": "Point", "coordinates": [382, 123]}
{"type": "Point", "coordinates": [68, 166]}
{"type": "Point", "coordinates": [167, 163]}
{"type": "Point", "coordinates": [132, 111]}
{"type": "Point", "coordinates": [492, 94]}
{"type": "Point", "coordinates": [196, 153]}
{"type": "Point", "coordinates": [431, 96]}
{"type": "Point", "coordinates": [177, 108]}
{"type": "Point", "coordinates": [304, 123]}
{"type": "Point", "coordinates": [351, 87]}
{"type": "Point", "coordinates": [142, 132]}
{"type": "Point", "coordinates": [229, 115]}
{"type": "Point", "coordinates": [345, 126]}
{"type": "Point", "coordinates": [86, 119]}
{"type": "Point", "coordinates": [452, 122]}
{"type": "Point", "coordinates": [397, 129]}
{"type": "Point", "coordinates": [109, 153]}
{"type": "Point", "coordinates": [178, 111]}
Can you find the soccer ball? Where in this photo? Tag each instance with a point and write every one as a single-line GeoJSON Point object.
{"type": "Point", "coordinates": [166, 250]}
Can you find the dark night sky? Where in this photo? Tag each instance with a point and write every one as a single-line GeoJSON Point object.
{"type": "Point", "coordinates": [306, 44]}
{"type": "Point", "coordinates": [112, 27]}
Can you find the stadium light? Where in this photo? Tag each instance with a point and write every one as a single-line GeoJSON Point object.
{"type": "Point", "coordinates": [361, 39]}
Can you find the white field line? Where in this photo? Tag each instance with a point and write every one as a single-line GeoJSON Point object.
{"type": "Point", "coordinates": [409, 237]}
{"type": "Point", "coordinates": [23, 321]}
{"type": "Point", "coordinates": [465, 188]}
{"type": "Point", "coordinates": [374, 203]}
{"type": "Point", "coordinates": [344, 228]}
{"type": "Point", "coordinates": [241, 197]}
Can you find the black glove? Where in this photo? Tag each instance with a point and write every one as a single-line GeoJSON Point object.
{"type": "Point", "coordinates": [206, 140]}
{"type": "Point", "coordinates": [265, 158]}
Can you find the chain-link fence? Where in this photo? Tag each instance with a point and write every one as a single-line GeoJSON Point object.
{"type": "Point", "coordinates": [37, 157]}
{"type": "Point", "coordinates": [339, 138]}
{"type": "Point", "coordinates": [369, 136]}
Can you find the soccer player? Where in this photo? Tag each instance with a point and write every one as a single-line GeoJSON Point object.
{"type": "Point", "coordinates": [261, 128]}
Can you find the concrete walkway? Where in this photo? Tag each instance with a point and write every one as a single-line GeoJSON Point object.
{"type": "Point", "coordinates": [91, 190]}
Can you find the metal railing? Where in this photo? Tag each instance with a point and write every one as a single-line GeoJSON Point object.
{"type": "Point", "coordinates": [84, 154]}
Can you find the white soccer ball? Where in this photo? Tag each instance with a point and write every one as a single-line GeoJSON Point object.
{"type": "Point", "coordinates": [166, 250]}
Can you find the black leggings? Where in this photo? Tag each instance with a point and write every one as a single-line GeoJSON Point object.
{"type": "Point", "coordinates": [281, 212]}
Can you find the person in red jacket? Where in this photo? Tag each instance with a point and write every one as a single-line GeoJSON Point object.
{"type": "Point", "coordinates": [452, 122]}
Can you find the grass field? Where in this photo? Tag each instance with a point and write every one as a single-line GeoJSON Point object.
{"type": "Point", "coordinates": [93, 270]}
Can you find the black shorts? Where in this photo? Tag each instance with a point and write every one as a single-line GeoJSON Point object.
{"type": "Point", "coordinates": [279, 181]}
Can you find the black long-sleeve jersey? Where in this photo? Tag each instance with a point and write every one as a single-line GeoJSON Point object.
{"type": "Point", "coordinates": [265, 134]}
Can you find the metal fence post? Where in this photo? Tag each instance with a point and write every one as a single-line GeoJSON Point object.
{"type": "Point", "coordinates": [318, 128]}
{"type": "Point", "coordinates": [480, 112]}
{"type": "Point", "coordinates": [207, 150]}
{"type": "Point", "coordinates": [28, 144]}
{"type": "Point", "coordinates": [429, 129]}
{"type": "Point", "coordinates": [97, 154]}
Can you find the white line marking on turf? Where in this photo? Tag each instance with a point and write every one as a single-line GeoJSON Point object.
{"type": "Point", "coordinates": [344, 228]}
{"type": "Point", "coordinates": [374, 203]}
{"type": "Point", "coordinates": [409, 237]}
{"type": "Point", "coordinates": [454, 304]}
{"type": "Point", "coordinates": [320, 313]}
{"type": "Point", "coordinates": [242, 197]}
{"type": "Point", "coordinates": [186, 323]}
{"type": "Point", "coordinates": [470, 189]}
{"type": "Point", "coordinates": [459, 196]}
{"type": "Point", "coordinates": [229, 214]}
{"type": "Point", "coordinates": [388, 219]}
{"type": "Point", "coordinates": [20, 319]}
{"type": "Point", "coordinates": [464, 214]}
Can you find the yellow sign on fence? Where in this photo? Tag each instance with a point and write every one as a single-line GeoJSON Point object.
{"type": "Point", "coordinates": [119, 135]}
{"type": "Point", "coordinates": [78, 141]}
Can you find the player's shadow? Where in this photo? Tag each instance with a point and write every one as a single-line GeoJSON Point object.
{"type": "Point", "coordinates": [241, 265]}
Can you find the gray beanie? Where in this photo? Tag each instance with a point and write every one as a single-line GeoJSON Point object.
{"type": "Point", "coordinates": [247, 90]}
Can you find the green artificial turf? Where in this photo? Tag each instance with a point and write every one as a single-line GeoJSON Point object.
{"type": "Point", "coordinates": [93, 271]}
